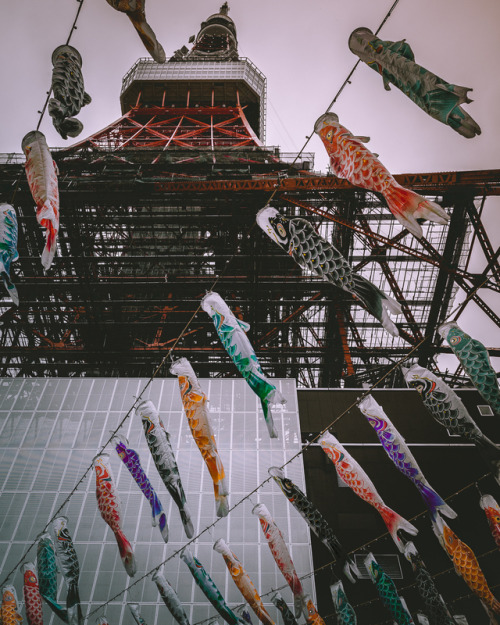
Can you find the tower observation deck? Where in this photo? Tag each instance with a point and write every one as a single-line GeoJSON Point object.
{"type": "Point", "coordinates": [162, 201]}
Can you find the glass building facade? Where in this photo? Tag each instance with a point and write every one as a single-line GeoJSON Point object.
{"type": "Point", "coordinates": [50, 431]}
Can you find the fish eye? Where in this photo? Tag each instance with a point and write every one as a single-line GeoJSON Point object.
{"type": "Point", "coordinates": [281, 230]}
{"type": "Point", "coordinates": [455, 340]}
{"type": "Point", "coordinates": [329, 135]}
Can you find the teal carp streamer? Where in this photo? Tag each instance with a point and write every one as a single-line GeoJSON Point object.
{"type": "Point", "coordinates": [474, 358]}
{"type": "Point", "coordinates": [208, 587]}
{"type": "Point", "coordinates": [232, 333]}
{"type": "Point", "coordinates": [8, 247]}
{"type": "Point", "coordinates": [387, 591]}
{"type": "Point", "coordinates": [395, 62]}
{"type": "Point", "coordinates": [343, 609]}
{"type": "Point", "coordinates": [47, 575]}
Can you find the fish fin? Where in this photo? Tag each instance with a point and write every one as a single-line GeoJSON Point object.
{"type": "Point", "coordinates": [11, 289]}
{"type": "Point", "coordinates": [186, 522]}
{"type": "Point", "coordinates": [387, 83]}
{"type": "Point", "coordinates": [148, 38]}
{"type": "Point", "coordinates": [377, 303]}
{"type": "Point", "coordinates": [58, 610]}
{"type": "Point", "coordinates": [268, 417]}
{"type": "Point", "coordinates": [126, 553]}
{"type": "Point", "coordinates": [395, 523]}
{"type": "Point", "coordinates": [434, 502]}
{"type": "Point", "coordinates": [86, 99]}
{"type": "Point", "coordinates": [243, 325]}
{"type": "Point", "coordinates": [408, 206]}
{"type": "Point", "coordinates": [363, 139]}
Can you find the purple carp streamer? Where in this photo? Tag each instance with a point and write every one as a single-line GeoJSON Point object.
{"type": "Point", "coordinates": [42, 172]}
{"type": "Point", "coordinates": [158, 440]}
{"type": "Point", "coordinates": [299, 239]}
{"type": "Point", "coordinates": [351, 160]}
{"type": "Point", "coordinates": [32, 596]}
{"type": "Point", "coordinates": [69, 91]}
{"type": "Point", "coordinates": [131, 460]}
{"type": "Point", "coordinates": [8, 610]}
{"type": "Point", "coordinates": [170, 598]}
{"type": "Point", "coordinates": [108, 502]}
{"type": "Point", "coordinates": [355, 477]}
{"type": "Point", "coordinates": [435, 606]}
{"type": "Point", "coordinates": [287, 615]}
{"type": "Point", "coordinates": [282, 557]}
{"type": "Point", "coordinates": [343, 609]}
{"type": "Point", "coordinates": [398, 451]}
{"type": "Point", "coordinates": [8, 248]}
{"type": "Point", "coordinates": [395, 62]}
{"type": "Point", "coordinates": [387, 592]}
{"type": "Point", "coordinates": [474, 358]}
{"type": "Point", "coordinates": [194, 401]}
{"type": "Point", "coordinates": [232, 333]}
{"type": "Point", "coordinates": [134, 609]}
{"type": "Point", "coordinates": [448, 410]}
{"type": "Point", "coordinates": [316, 521]}
{"type": "Point", "coordinates": [208, 587]}
{"type": "Point", "coordinates": [243, 582]}
{"type": "Point", "coordinates": [135, 10]}
{"type": "Point", "coordinates": [69, 567]}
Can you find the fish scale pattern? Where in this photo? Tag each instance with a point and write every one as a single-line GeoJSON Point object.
{"type": "Point", "coordinates": [32, 597]}
{"type": "Point", "coordinates": [387, 592]}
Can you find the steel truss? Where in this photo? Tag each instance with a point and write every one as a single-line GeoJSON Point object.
{"type": "Point", "coordinates": [162, 201]}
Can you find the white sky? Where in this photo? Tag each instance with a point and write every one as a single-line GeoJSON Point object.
{"type": "Point", "coordinates": [301, 47]}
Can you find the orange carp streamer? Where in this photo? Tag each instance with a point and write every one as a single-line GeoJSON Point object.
{"type": "Point", "coordinates": [194, 401]}
{"type": "Point", "coordinates": [351, 160]}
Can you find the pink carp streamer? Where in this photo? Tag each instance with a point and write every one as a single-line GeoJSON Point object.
{"type": "Point", "coordinates": [194, 401]}
{"type": "Point", "coordinates": [108, 502]}
{"type": "Point", "coordinates": [243, 582]}
{"type": "Point", "coordinates": [282, 557]}
{"type": "Point", "coordinates": [32, 596]}
{"type": "Point", "coordinates": [351, 160]}
{"type": "Point", "coordinates": [42, 172]}
{"type": "Point", "coordinates": [355, 477]}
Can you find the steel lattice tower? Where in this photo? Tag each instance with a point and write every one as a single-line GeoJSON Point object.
{"type": "Point", "coordinates": [162, 201]}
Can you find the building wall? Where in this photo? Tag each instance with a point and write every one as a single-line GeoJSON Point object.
{"type": "Point", "coordinates": [51, 429]}
{"type": "Point", "coordinates": [452, 466]}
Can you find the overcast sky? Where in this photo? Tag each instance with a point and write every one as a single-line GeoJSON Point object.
{"type": "Point", "coordinates": [301, 47]}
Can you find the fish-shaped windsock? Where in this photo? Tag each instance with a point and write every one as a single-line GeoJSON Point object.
{"type": "Point", "coordinates": [466, 565]}
{"type": "Point", "coordinates": [355, 477]}
{"type": "Point", "coordinates": [286, 613]}
{"type": "Point", "coordinates": [245, 614]}
{"type": "Point", "coordinates": [343, 609]}
{"type": "Point", "coordinates": [194, 401]}
{"type": "Point", "coordinates": [132, 461]}
{"type": "Point", "coordinates": [435, 607]}
{"type": "Point", "coordinates": [47, 575]}
{"type": "Point", "coordinates": [395, 62]}
{"type": "Point", "coordinates": [243, 582]}
{"type": "Point", "coordinates": [32, 596]}
{"type": "Point", "coordinates": [398, 451]}
{"type": "Point", "coordinates": [8, 609]}
{"type": "Point", "coordinates": [298, 238]}
{"type": "Point", "coordinates": [282, 557]}
{"type": "Point", "coordinates": [316, 521]}
{"type": "Point", "coordinates": [42, 172]}
{"type": "Point", "coordinates": [312, 618]}
{"type": "Point", "coordinates": [108, 502]}
{"type": "Point", "coordinates": [170, 598]}
{"type": "Point", "coordinates": [492, 511]}
{"type": "Point", "coordinates": [387, 592]}
{"type": "Point", "coordinates": [208, 587]}
{"type": "Point", "coordinates": [135, 9]}
{"type": "Point", "coordinates": [449, 411]}
{"type": "Point", "coordinates": [351, 160]}
{"type": "Point", "coordinates": [136, 613]}
{"type": "Point", "coordinates": [69, 91]}
{"type": "Point", "coordinates": [474, 358]}
{"type": "Point", "coordinates": [8, 248]}
{"type": "Point", "coordinates": [232, 333]}
{"type": "Point", "coordinates": [158, 440]}
{"type": "Point", "coordinates": [69, 567]}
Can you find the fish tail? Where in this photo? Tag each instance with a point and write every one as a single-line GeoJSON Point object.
{"type": "Point", "coordinates": [162, 522]}
{"type": "Point", "coordinates": [350, 569]}
{"type": "Point", "coordinates": [71, 127]}
{"type": "Point", "coordinates": [434, 502]}
{"type": "Point", "coordinates": [186, 521]}
{"type": "Point", "coordinates": [126, 553]}
{"type": "Point", "coordinates": [408, 206]}
{"type": "Point", "coordinates": [377, 303]}
{"type": "Point", "coordinates": [221, 505]}
{"type": "Point", "coordinates": [50, 243]}
{"type": "Point", "coordinates": [300, 605]}
{"type": "Point", "coordinates": [148, 38]}
{"type": "Point", "coordinates": [58, 610]}
{"type": "Point", "coordinates": [394, 523]}
{"type": "Point", "coordinates": [75, 616]}
{"type": "Point", "coordinates": [492, 609]}
{"type": "Point", "coordinates": [11, 289]}
{"type": "Point", "coordinates": [268, 416]}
